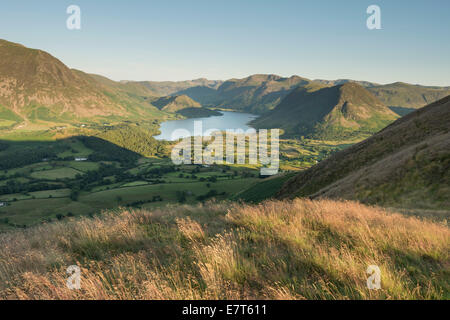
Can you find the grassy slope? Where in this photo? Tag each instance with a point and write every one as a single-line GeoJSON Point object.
{"type": "Point", "coordinates": [263, 190]}
{"type": "Point", "coordinates": [277, 250]}
{"type": "Point", "coordinates": [8, 118]}
{"type": "Point", "coordinates": [341, 111]}
{"type": "Point", "coordinates": [405, 165]}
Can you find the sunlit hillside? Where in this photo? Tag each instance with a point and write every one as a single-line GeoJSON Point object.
{"type": "Point", "coordinates": [407, 164]}
{"type": "Point", "coordinates": [297, 249]}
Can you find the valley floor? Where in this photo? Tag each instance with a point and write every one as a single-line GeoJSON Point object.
{"type": "Point", "coordinates": [41, 181]}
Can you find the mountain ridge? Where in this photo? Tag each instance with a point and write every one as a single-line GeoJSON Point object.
{"type": "Point", "coordinates": [38, 87]}
{"type": "Point", "coordinates": [405, 164]}
{"type": "Point", "coordinates": [400, 94]}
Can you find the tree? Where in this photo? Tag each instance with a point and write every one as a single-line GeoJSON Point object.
{"type": "Point", "coordinates": [181, 196]}
{"type": "Point", "coordinates": [74, 193]}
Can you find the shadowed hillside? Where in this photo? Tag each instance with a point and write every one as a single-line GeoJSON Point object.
{"type": "Point", "coordinates": [406, 164]}
{"type": "Point", "coordinates": [277, 250]}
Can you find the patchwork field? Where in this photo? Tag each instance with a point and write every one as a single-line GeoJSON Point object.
{"type": "Point", "coordinates": [45, 183]}
{"type": "Point", "coordinates": [40, 180]}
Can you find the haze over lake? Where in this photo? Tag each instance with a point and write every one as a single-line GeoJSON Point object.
{"type": "Point", "coordinates": [228, 120]}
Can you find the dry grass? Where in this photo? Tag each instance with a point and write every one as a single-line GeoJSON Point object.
{"type": "Point", "coordinates": [276, 250]}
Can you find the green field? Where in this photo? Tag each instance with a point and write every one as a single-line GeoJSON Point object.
{"type": "Point", "coordinates": [44, 182]}
{"type": "Point", "coordinates": [39, 206]}
{"type": "Point", "coordinates": [54, 174]}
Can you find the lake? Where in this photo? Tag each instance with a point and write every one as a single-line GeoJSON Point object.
{"type": "Point", "coordinates": [228, 120]}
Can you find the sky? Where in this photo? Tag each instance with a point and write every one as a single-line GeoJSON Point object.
{"type": "Point", "coordinates": [215, 39]}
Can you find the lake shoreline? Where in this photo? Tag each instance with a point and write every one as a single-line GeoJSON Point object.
{"type": "Point", "coordinates": [228, 120]}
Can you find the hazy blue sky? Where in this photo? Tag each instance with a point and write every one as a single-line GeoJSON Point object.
{"type": "Point", "coordinates": [178, 40]}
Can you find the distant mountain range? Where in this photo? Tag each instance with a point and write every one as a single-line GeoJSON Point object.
{"type": "Point", "coordinates": [407, 164]}
{"type": "Point", "coordinates": [406, 95]}
{"type": "Point", "coordinates": [166, 88]}
{"type": "Point", "coordinates": [263, 92]}
{"type": "Point", "coordinates": [398, 94]}
{"type": "Point", "coordinates": [35, 87]}
{"type": "Point", "coordinates": [256, 94]}
{"type": "Point", "coordinates": [331, 83]}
